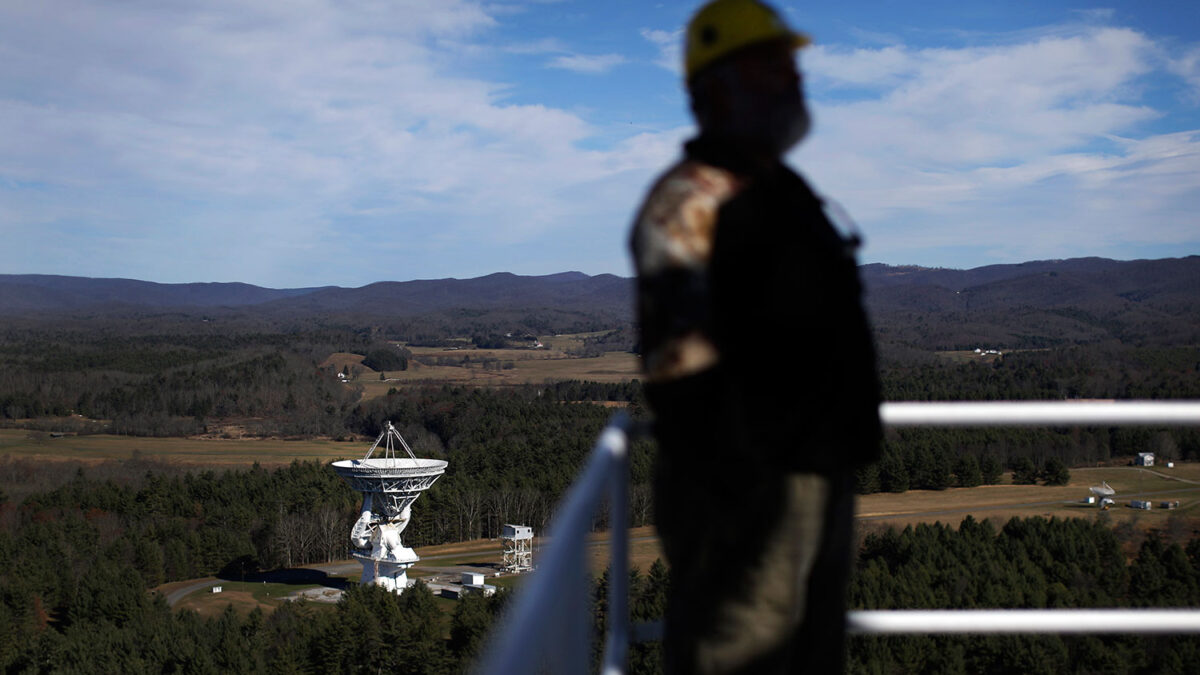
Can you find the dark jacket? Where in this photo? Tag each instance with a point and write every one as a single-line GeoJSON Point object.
{"type": "Point", "coordinates": [796, 383]}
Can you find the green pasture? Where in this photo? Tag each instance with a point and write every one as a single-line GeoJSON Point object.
{"type": "Point", "coordinates": [553, 362]}
{"type": "Point", "coordinates": [19, 443]}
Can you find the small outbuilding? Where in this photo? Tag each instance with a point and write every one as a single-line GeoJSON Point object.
{"type": "Point", "coordinates": [1144, 459]}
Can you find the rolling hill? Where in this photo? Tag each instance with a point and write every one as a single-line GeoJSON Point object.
{"type": "Point", "coordinates": [1033, 304]}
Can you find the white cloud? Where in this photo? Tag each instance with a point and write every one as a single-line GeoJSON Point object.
{"type": "Point", "coordinates": [1022, 150]}
{"type": "Point", "coordinates": [1187, 66]}
{"type": "Point", "coordinates": [287, 145]}
{"type": "Point", "coordinates": [564, 58]}
{"type": "Point", "coordinates": [669, 45]}
{"type": "Point", "coordinates": [258, 134]}
{"type": "Point", "coordinates": [584, 63]}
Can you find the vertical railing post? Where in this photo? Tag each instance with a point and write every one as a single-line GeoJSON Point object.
{"type": "Point", "coordinates": [617, 642]}
{"type": "Point", "coordinates": [548, 626]}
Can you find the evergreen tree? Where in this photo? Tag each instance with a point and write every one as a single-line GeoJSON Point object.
{"type": "Point", "coordinates": [1024, 472]}
{"type": "Point", "coordinates": [991, 469]}
{"type": "Point", "coordinates": [967, 472]}
{"type": "Point", "coordinates": [1055, 472]}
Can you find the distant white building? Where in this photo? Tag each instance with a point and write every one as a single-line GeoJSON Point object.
{"type": "Point", "coordinates": [472, 582]}
{"type": "Point", "coordinates": [1144, 459]}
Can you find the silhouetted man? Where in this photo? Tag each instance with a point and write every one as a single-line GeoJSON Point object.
{"type": "Point", "coordinates": [759, 363]}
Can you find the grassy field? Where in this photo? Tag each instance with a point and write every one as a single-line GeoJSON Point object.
{"type": "Point", "coordinates": [17, 443]}
{"type": "Point", "coordinates": [1001, 502]}
{"type": "Point", "coordinates": [969, 355]}
{"type": "Point", "coordinates": [244, 596]}
{"type": "Point", "coordinates": [996, 502]}
{"type": "Point", "coordinates": [494, 367]}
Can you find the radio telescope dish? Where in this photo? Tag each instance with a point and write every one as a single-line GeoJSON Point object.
{"type": "Point", "coordinates": [389, 485]}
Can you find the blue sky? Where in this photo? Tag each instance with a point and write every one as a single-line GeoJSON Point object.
{"type": "Point", "coordinates": [319, 142]}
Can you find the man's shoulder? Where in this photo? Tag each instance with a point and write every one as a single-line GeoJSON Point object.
{"type": "Point", "coordinates": [691, 180]}
{"type": "Point", "coordinates": [677, 221]}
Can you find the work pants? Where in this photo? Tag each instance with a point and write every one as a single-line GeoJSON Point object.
{"type": "Point", "coordinates": [759, 561]}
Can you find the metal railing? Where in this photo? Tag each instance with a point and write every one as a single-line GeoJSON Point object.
{"type": "Point", "coordinates": [981, 621]}
{"type": "Point", "coordinates": [547, 630]}
{"type": "Point", "coordinates": [1040, 413]}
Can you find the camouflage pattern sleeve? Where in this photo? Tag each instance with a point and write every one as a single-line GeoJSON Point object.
{"type": "Point", "coordinates": [672, 245]}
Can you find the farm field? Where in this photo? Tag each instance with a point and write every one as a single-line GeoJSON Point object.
{"type": "Point", "coordinates": [443, 560]}
{"type": "Point", "coordinates": [1001, 502]}
{"type": "Point", "coordinates": [494, 367]}
{"type": "Point", "coordinates": [1181, 483]}
{"type": "Point", "coordinates": [996, 502]}
{"type": "Point", "coordinates": [18, 443]}
{"type": "Point", "coordinates": [961, 356]}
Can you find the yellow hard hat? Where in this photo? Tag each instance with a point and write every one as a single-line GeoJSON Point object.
{"type": "Point", "coordinates": [724, 26]}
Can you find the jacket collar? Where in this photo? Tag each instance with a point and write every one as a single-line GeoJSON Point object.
{"type": "Point", "coordinates": [721, 153]}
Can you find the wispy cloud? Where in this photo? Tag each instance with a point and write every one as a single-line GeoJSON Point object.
{"type": "Point", "coordinates": [359, 140]}
{"type": "Point", "coordinates": [1187, 66]}
{"type": "Point", "coordinates": [301, 136]}
{"type": "Point", "coordinates": [586, 63]}
{"type": "Point", "coordinates": [1021, 150]}
{"type": "Point", "coordinates": [669, 45]}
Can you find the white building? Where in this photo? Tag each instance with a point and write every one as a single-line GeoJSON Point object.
{"type": "Point", "coordinates": [1144, 459]}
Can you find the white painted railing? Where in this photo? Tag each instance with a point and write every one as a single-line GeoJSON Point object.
{"type": "Point", "coordinates": [1040, 413]}
{"type": "Point", "coordinates": [1090, 621]}
{"type": "Point", "coordinates": [548, 628]}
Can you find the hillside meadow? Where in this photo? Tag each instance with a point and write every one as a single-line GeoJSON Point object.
{"type": "Point", "coordinates": [559, 358]}
{"type": "Point", "coordinates": [214, 452]}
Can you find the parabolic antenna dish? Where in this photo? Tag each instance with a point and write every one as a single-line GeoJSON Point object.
{"type": "Point", "coordinates": [394, 483]}
{"type": "Point", "coordinates": [390, 483]}
{"type": "Point", "coordinates": [1103, 490]}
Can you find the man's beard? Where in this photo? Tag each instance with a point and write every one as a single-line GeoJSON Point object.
{"type": "Point", "coordinates": [788, 125]}
{"type": "Point", "coordinates": [771, 126]}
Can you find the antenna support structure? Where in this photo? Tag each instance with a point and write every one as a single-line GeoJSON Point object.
{"type": "Point", "coordinates": [389, 485]}
{"type": "Point", "coordinates": [518, 556]}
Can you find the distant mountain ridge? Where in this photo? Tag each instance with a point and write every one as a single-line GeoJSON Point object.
{"type": "Point", "coordinates": [1037, 304]}
{"type": "Point", "coordinates": [48, 292]}
{"type": "Point", "coordinates": [53, 294]}
{"type": "Point", "coordinates": [1027, 304]}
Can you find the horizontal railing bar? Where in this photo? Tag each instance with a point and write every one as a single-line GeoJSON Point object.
{"type": "Point", "coordinates": [1039, 413]}
{"type": "Point", "coordinates": [1092, 621]}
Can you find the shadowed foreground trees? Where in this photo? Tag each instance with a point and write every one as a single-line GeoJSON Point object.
{"type": "Point", "coordinates": [103, 620]}
{"type": "Point", "coordinates": [1028, 563]}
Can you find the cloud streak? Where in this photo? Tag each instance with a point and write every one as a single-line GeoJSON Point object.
{"type": "Point", "coordinates": [1003, 152]}
{"type": "Point", "coordinates": [347, 142]}
{"type": "Point", "coordinates": [325, 129]}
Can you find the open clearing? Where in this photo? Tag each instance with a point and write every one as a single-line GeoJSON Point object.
{"type": "Point", "coordinates": [244, 596]}
{"type": "Point", "coordinates": [18, 443]}
{"type": "Point", "coordinates": [996, 502]}
{"type": "Point", "coordinates": [554, 361]}
{"type": "Point", "coordinates": [1001, 502]}
{"type": "Point", "coordinates": [480, 555]}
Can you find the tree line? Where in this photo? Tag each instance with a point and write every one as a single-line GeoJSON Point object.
{"type": "Point", "coordinates": [1026, 563]}
{"type": "Point", "coordinates": [76, 562]}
